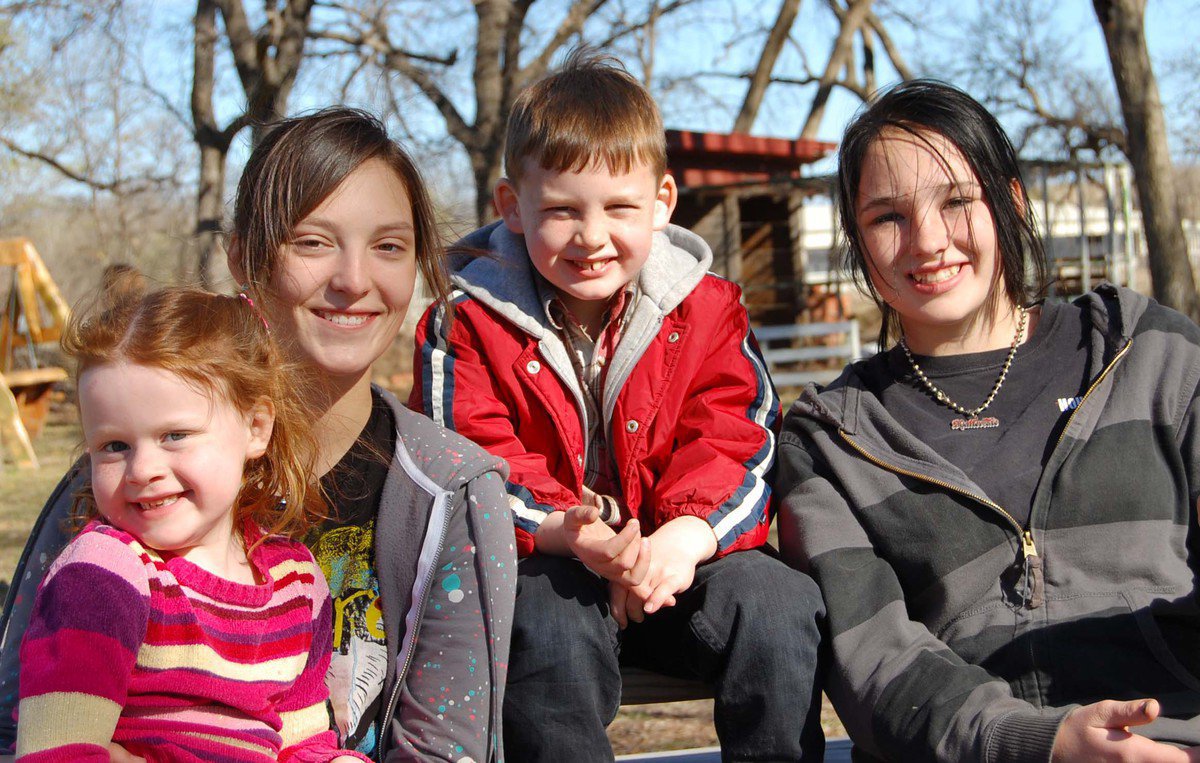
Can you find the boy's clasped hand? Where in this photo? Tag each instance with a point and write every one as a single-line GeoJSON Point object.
{"type": "Point", "coordinates": [644, 573]}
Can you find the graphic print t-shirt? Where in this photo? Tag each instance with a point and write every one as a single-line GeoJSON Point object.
{"type": "Point", "coordinates": [344, 547]}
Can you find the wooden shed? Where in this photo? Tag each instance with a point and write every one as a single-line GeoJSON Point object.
{"type": "Point", "coordinates": [746, 197]}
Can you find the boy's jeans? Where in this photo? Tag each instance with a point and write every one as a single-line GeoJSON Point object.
{"type": "Point", "coordinates": [748, 626]}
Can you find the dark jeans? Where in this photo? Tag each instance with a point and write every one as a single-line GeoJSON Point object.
{"type": "Point", "coordinates": [748, 626]}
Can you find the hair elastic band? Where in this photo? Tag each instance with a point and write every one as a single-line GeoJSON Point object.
{"type": "Point", "coordinates": [255, 309]}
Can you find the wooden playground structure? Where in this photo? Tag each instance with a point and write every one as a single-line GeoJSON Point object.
{"type": "Point", "coordinates": [34, 313]}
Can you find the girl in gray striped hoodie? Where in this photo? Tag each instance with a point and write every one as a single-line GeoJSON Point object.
{"type": "Point", "coordinates": [1000, 509]}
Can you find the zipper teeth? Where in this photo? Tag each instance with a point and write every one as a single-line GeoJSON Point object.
{"type": "Point", "coordinates": [411, 638]}
{"type": "Point", "coordinates": [1092, 387]}
{"type": "Point", "coordinates": [925, 478]}
{"type": "Point", "coordinates": [1024, 533]}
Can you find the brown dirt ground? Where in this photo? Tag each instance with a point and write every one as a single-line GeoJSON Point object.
{"type": "Point", "coordinates": [680, 725]}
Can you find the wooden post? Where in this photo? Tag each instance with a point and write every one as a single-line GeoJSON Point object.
{"type": "Point", "coordinates": [1111, 260]}
{"type": "Point", "coordinates": [16, 439]}
{"type": "Point", "coordinates": [796, 230]}
{"type": "Point", "coordinates": [732, 217]}
{"type": "Point", "coordinates": [1131, 254]}
{"type": "Point", "coordinates": [1048, 237]}
{"type": "Point", "coordinates": [1085, 255]}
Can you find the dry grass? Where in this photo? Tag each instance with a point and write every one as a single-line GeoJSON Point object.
{"type": "Point", "coordinates": [23, 491]}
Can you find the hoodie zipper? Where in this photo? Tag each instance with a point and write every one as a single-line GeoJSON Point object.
{"type": "Point", "coordinates": [411, 640]}
{"type": "Point", "coordinates": [1033, 595]}
{"type": "Point", "coordinates": [1027, 545]}
{"type": "Point", "coordinates": [1112, 363]}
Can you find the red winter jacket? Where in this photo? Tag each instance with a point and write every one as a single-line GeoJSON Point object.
{"type": "Point", "coordinates": [689, 408]}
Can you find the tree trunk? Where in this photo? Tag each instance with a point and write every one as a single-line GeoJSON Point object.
{"type": "Point", "coordinates": [210, 206]}
{"type": "Point", "coordinates": [209, 194]}
{"type": "Point", "coordinates": [843, 48]}
{"type": "Point", "coordinates": [494, 75]}
{"type": "Point", "coordinates": [1172, 279]}
{"type": "Point", "coordinates": [788, 10]}
{"type": "Point", "coordinates": [486, 168]}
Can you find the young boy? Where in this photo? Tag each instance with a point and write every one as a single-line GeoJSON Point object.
{"type": "Point", "coordinates": [588, 345]}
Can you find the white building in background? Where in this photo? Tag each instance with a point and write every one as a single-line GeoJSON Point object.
{"type": "Point", "coordinates": [774, 231]}
{"type": "Point", "coordinates": [1091, 230]}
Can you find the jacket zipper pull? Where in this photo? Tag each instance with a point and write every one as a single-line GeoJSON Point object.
{"type": "Point", "coordinates": [1028, 548]}
{"type": "Point", "coordinates": [1035, 594]}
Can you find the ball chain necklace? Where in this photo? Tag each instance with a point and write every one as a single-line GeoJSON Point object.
{"type": "Point", "coordinates": [972, 420]}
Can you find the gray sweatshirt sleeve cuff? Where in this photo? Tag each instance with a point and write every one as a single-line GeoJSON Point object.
{"type": "Point", "coordinates": [1022, 737]}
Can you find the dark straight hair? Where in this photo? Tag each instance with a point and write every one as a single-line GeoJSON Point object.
{"type": "Point", "coordinates": [924, 106]}
{"type": "Point", "coordinates": [296, 165]}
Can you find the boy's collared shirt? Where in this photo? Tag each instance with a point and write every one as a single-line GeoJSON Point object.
{"type": "Point", "coordinates": [590, 358]}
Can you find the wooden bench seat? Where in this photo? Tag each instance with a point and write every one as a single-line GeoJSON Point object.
{"type": "Point", "coordinates": [643, 687]}
{"type": "Point", "coordinates": [24, 405]}
{"type": "Point", "coordinates": [30, 377]}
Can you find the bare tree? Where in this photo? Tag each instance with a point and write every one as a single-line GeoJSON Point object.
{"type": "Point", "coordinates": [117, 161]}
{"type": "Point", "coordinates": [850, 66]}
{"type": "Point", "coordinates": [267, 60]}
{"type": "Point", "coordinates": [1025, 71]}
{"type": "Point", "coordinates": [505, 53]}
{"type": "Point", "coordinates": [67, 109]}
{"type": "Point", "coordinates": [68, 112]}
{"type": "Point", "coordinates": [761, 78]}
{"type": "Point", "coordinates": [1170, 270]}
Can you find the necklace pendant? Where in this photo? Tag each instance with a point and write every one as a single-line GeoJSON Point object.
{"type": "Point", "coordinates": [975, 422]}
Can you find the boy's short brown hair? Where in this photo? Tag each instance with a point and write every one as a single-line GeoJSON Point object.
{"type": "Point", "coordinates": [590, 110]}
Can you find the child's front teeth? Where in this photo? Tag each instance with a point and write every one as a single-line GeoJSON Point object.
{"type": "Point", "coordinates": [163, 502]}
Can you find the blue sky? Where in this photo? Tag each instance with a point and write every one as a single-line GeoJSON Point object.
{"type": "Point", "coordinates": [939, 40]}
{"type": "Point", "coordinates": [700, 42]}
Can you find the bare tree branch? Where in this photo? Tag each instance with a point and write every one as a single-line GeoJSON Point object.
{"type": "Point", "coordinates": [144, 84]}
{"type": "Point", "coordinates": [624, 30]}
{"type": "Point", "coordinates": [114, 185]}
{"type": "Point", "coordinates": [889, 47]}
{"type": "Point", "coordinates": [761, 78]}
{"type": "Point", "coordinates": [373, 43]}
{"type": "Point", "coordinates": [456, 125]}
{"type": "Point", "coordinates": [868, 63]}
{"type": "Point", "coordinates": [851, 19]}
{"type": "Point", "coordinates": [242, 42]}
{"type": "Point", "coordinates": [1096, 136]}
{"type": "Point", "coordinates": [570, 26]}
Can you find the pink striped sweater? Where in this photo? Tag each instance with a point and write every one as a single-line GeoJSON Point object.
{"type": "Point", "coordinates": [174, 663]}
